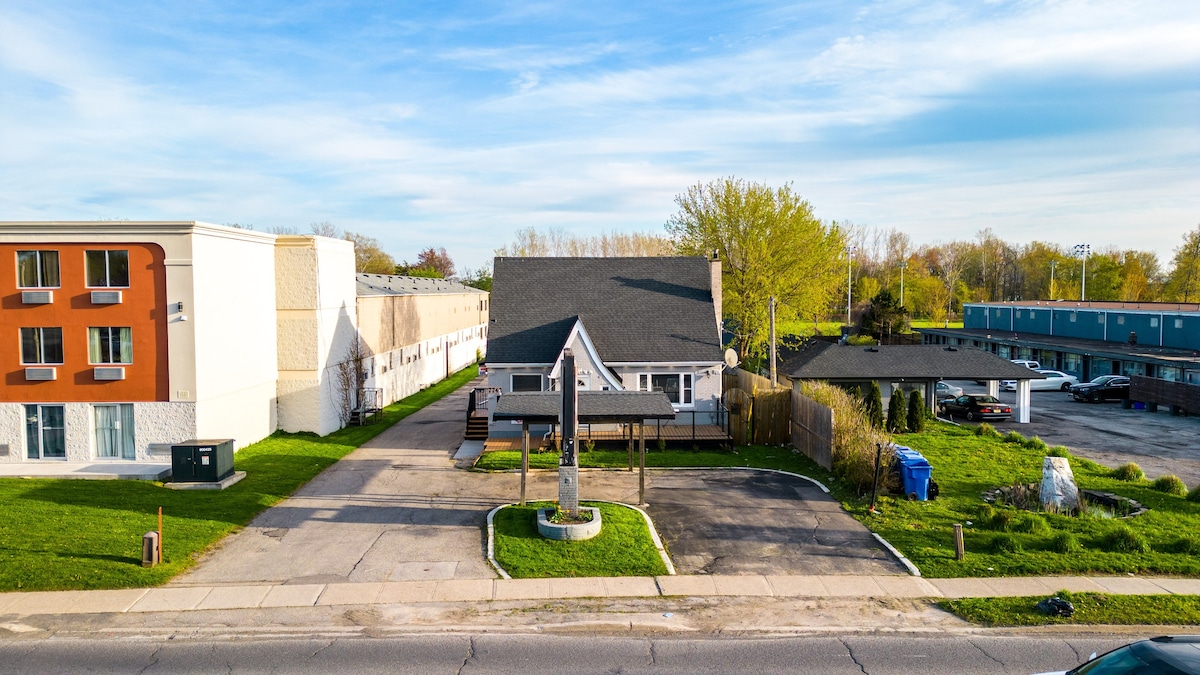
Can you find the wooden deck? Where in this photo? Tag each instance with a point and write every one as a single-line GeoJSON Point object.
{"type": "Point", "coordinates": [673, 434]}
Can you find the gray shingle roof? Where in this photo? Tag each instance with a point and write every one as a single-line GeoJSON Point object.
{"type": "Point", "coordinates": [828, 361]}
{"type": "Point", "coordinates": [394, 284]}
{"type": "Point", "coordinates": [634, 309]}
{"type": "Point", "coordinates": [594, 406]}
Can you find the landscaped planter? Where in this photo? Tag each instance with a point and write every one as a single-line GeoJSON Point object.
{"type": "Point", "coordinates": [568, 531]}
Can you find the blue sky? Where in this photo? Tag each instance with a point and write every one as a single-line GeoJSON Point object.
{"type": "Point", "coordinates": [455, 124]}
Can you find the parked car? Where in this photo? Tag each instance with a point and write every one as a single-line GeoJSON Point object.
{"type": "Point", "coordinates": [945, 390]}
{"type": "Point", "coordinates": [1163, 655]}
{"type": "Point", "coordinates": [1103, 388]}
{"type": "Point", "coordinates": [977, 407]}
{"type": "Point", "coordinates": [1056, 380]}
{"type": "Point", "coordinates": [1032, 365]}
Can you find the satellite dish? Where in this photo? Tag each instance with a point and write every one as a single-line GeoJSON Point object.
{"type": "Point", "coordinates": [731, 358]}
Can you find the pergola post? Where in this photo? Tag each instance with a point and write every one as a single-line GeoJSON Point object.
{"type": "Point", "coordinates": [993, 387]}
{"type": "Point", "coordinates": [631, 446]}
{"type": "Point", "coordinates": [641, 462]}
{"type": "Point", "coordinates": [1023, 389]}
{"type": "Point", "coordinates": [524, 457]}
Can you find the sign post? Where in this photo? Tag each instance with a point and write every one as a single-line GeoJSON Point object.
{"type": "Point", "coordinates": [568, 464]}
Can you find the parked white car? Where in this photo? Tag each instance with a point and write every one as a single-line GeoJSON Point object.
{"type": "Point", "coordinates": [1056, 380]}
{"type": "Point", "coordinates": [1032, 365]}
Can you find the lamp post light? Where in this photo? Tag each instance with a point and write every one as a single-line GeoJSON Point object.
{"type": "Point", "coordinates": [903, 265]}
{"type": "Point", "coordinates": [849, 280]}
{"type": "Point", "coordinates": [1083, 251]}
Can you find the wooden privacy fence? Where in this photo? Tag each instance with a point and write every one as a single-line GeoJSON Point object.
{"type": "Point", "coordinates": [763, 409]}
{"type": "Point", "coordinates": [812, 429]}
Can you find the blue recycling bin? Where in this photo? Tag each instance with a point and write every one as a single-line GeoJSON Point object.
{"type": "Point", "coordinates": [915, 473]}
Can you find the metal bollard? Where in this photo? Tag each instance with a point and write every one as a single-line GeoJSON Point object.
{"type": "Point", "coordinates": [150, 549]}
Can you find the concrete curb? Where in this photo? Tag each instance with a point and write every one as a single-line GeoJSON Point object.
{"type": "Point", "coordinates": [912, 569]}
{"type": "Point", "coordinates": [491, 544]}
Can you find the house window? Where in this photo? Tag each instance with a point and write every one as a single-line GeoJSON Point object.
{"type": "Point", "coordinates": [110, 345]}
{"type": "Point", "coordinates": [41, 346]}
{"type": "Point", "coordinates": [37, 269]}
{"type": "Point", "coordinates": [677, 386]}
{"type": "Point", "coordinates": [114, 431]}
{"type": "Point", "coordinates": [45, 433]}
{"type": "Point", "coordinates": [526, 382]}
{"type": "Point", "coordinates": [107, 269]}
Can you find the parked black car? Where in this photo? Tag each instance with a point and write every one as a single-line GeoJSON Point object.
{"type": "Point", "coordinates": [1164, 655]}
{"type": "Point", "coordinates": [977, 407]}
{"type": "Point", "coordinates": [1103, 388]}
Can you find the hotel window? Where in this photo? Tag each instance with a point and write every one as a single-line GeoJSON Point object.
{"type": "Point", "coordinates": [677, 386]}
{"type": "Point", "coordinates": [113, 425]}
{"type": "Point", "coordinates": [37, 269]}
{"type": "Point", "coordinates": [110, 345]}
{"type": "Point", "coordinates": [45, 432]}
{"type": "Point", "coordinates": [41, 346]}
{"type": "Point", "coordinates": [107, 269]}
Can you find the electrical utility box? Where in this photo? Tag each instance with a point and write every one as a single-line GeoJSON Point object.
{"type": "Point", "coordinates": [202, 461]}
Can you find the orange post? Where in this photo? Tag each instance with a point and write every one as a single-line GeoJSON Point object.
{"type": "Point", "coordinates": [160, 544]}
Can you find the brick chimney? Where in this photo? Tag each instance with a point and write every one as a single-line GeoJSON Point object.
{"type": "Point", "coordinates": [714, 272]}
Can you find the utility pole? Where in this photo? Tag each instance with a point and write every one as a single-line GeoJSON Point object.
{"type": "Point", "coordinates": [849, 279]}
{"type": "Point", "coordinates": [771, 307]}
{"type": "Point", "coordinates": [903, 266]}
{"type": "Point", "coordinates": [1053, 264]}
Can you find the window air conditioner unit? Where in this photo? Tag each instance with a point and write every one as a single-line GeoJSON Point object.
{"type": "Point", "coordinates": [37, 297]}
{"type": "Point", "coordinates": [108, 373]}
{"type": "Point", "coordinates": [106, 297]}
{"type": "Point", "coordinates": [41, 374]}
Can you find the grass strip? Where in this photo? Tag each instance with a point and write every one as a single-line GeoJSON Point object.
{"type": "Point", "coordinates": [623, 548]}
{"type": "Point", "coordinates": [60, 534]}
{"type": "Point", "coordinates": [1090, 608]}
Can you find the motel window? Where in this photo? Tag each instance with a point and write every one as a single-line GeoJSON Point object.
{"type": "Point", "coordinates": [1072, 317]}
{"type": "Point", "coordinates": [1100, 318]}
{"type": "Point", "coordinates": [41, 346]}
{"type": "Point", "coordinates": [1121, 320]}
{"type": "Point", "coordinates": [526, 382]}
{"type": "Point", "coordinates": [37, 269]}
{"type": "Point", "coordinates": [45, 432]}
{"type": "Point", "coordinates": [1154, 322]}
{"type": "Point", "coordinates": [114, 426]}
{"type": "Point", "coordinates": [677, 386]}
{"type": "Point", "coordinates": [1179, 323]}
{"type": "Point", "coordinates": [107, 269]}
{"type": "Point", "coordinates": [110, 345]}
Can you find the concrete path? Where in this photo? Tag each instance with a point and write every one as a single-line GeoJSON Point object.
{"type": "Point", "coordinates": [264, 596]}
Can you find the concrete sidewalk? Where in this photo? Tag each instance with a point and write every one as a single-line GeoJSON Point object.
{"type": "Point", "coordinates": [261, 596]}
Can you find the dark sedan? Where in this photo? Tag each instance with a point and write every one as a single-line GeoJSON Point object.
{"type": "Point", "coordinates": [1103, 388]}
{"type": "Point", "coordinates": [977, 407]}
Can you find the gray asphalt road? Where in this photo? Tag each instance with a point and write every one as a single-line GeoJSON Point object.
{"type": "Point", "coordinates": [1107, 433]}
{"type": "Point", "coordinates": [527, 654]}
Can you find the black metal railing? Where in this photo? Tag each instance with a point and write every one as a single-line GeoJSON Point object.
{"type": "Point", "coordinates": [479, 398]}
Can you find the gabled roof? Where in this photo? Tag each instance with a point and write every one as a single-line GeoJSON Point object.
{"type": "Point", "coordinates": [395, 284]}
{"type": "Point", "coordinates": [635, 309]}
{"type": "Point", "coordinates": [828, 361]}
{"type": "Point", "coordinates": [579, 331]}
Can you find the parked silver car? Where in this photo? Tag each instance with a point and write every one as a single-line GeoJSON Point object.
{"type": "Point", "coordinates": [945, 390]}
{"type": "Point", "coordinates": [1056, 380]}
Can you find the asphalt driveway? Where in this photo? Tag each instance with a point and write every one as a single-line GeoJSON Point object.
{"type": "Point", "coordinates": [397, 509]}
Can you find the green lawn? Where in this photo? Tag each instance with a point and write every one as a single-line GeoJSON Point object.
{"type": "Point", "coordinates": [1090, 608]}
{"type": "Point", "coordinates": [85, 534]}
{"type": "Point", "coordinates": [623, 547]}
{"type": "Point", "coordinates": [965, 465]}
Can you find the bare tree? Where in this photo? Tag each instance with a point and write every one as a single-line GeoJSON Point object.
{"type": "Point", "coordinates": [326, 229]}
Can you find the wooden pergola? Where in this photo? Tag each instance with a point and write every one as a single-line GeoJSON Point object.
{"type": "Point", "coordinates": [595, 407]}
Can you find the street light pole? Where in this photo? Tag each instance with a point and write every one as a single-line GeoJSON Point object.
{"type": "Point", "coordinates": [1053, 264]}
{"type": "Point", "coordinates": [1083, 251]}
{"type": "Point", "coordinates": [849, 280]}
{"type": "Point", "coordinates": [903, 265]}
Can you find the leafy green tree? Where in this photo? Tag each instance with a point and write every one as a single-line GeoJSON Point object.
{"type": "Point", "coordinates": [770, 244]}
{"type": "Point", "coordinates": [874, 405]}
{"type": "Point", "coordinates": [897, 422]}
{"type": "Point", "coordinates": [916, 412]}
{"type": "Point", "coordinates": [480, 278]}
{"type": "Point", "coordinates": [1183, 284]}
{"type": "Point", "coordinates": [884, 315]}
{"type": "Point", "coordinates": [369, 256]}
